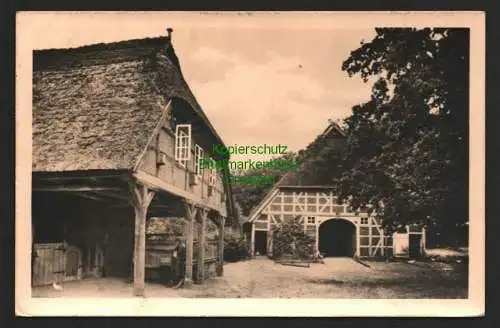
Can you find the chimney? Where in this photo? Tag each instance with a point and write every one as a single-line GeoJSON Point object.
{"type": "Point", "coordinates": [169, 33]}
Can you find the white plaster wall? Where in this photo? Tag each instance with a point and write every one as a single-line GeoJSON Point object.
{"type": "Point", "coordinates": [401, 243]}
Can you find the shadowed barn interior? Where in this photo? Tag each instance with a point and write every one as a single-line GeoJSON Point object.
{"type": "Point", "coordinates": [337, 238]}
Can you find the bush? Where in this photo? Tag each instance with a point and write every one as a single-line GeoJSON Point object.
{"type": "Point", "coordinates": [235, 247]}
{"type": "Point", "coordinates": [290, 240]}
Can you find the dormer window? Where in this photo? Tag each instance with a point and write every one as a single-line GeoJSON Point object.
{"type": "Point", "coordinates": [183, 143]}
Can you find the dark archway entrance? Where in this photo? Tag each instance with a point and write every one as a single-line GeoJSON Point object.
{"type": "Point", "coordinates": [337, 238]}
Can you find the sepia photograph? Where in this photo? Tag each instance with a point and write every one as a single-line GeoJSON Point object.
{"type": "Point", "coordinates": [250, 163]}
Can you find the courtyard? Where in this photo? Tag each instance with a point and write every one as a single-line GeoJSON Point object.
{"type": "Point", "coordinates": [335, 278]}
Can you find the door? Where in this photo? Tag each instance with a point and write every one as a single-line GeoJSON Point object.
{"type": "Point", "coordinates": [73, 265]}
{"type": "Point", "coordinates": [414, 245]}
{"type": "Point", "coordinates": [260, 242]}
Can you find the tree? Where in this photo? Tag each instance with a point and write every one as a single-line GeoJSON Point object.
{"type": "Point", "coordinates": [289, 239]}
{"type": "Point", "coordinates": [407, 147]}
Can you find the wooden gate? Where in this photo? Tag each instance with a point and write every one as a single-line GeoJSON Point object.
{"type": "Point", "coordinates": [56, 263]}
{"type": "Point", "coordinates": [49, 265]}
{"type": "Point", "coordinates": [73, 264]}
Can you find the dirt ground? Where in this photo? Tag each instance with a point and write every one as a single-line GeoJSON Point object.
{"type": "Point", "coordinates": [336, 278]}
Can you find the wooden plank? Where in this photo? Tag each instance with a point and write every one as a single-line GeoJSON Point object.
{"type": "Point", "coordinates": [156, 183]}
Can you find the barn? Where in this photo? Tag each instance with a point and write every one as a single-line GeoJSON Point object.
{"type": "Point", "coordinates": [336, 228]}
{"type": "Point", "coordinates": [117, 140]}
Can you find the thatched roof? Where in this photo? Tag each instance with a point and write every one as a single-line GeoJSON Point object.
{"type": "Point", "coordinates": [95, 107]}
{"type": "Point", "coordinates": [306, 175]}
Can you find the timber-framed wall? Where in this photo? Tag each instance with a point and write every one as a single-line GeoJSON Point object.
{"type": "Point", "coordinates": [313, 207]}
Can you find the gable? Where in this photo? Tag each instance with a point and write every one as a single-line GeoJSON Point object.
{"type": "Point", "coordinates": [309, 174]}
{"type": "Point", "coordinates": [305, 176]}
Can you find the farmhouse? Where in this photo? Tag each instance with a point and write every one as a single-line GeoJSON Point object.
{"type": "Point", "coordinates": [117, 139]}
{"type": "Point", "coordinates": [336, 228]}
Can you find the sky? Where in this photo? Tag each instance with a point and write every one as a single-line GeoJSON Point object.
{"type": "Point", "coordinates": [259, 81]}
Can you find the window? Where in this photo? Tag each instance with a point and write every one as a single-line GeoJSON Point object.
{"type": "Point", "coordinates": [364, 220]}
{"type": "Point", "coordinates": [311, 220]}
{"type": "Point", "coordinates": [198, 155]}
{"type": "Point", "coordinates": [183, 143]}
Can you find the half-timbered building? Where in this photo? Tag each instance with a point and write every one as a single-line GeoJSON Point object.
{"type": "Point", "coordinates": [336, 228]}
{"type": "Point", "coordinates": [117, 139]}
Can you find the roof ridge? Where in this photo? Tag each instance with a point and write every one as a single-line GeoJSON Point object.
{"type": "Point", "coordinates": [101, 46]}
{"type": "Point", "coordinates": [95, 54]}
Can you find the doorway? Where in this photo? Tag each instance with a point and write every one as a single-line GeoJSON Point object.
{"type": "Point", "coordinates": [337, 238]}
{"type": "Point", "coordinates": [260, 242]}
{"type": "Point", "coordinates": [414, 245]}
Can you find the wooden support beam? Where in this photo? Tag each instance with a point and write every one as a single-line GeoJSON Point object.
{"type": "Point", "coordinates": [140, 200]}
{"type": "Point", "coordinates": [202, 217]}
{"type": "Point", "coordinates": [190, 214]}
{"type": "Point", "coordinates": [220, 262]}
{"type": "Point", "coordinates": [84, 195]}
{"type": "Point", "coordinates": [111, 194]}
{"type": "Point", "coordinates": [156, 183]}
{"type": "Point", "coordinates": [74, 188]}
{"type": "Point", "coordinates": [52, 176]}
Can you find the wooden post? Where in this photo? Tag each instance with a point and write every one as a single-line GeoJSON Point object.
{"type": "Point", "coordinates": [316, 239]}
{"type": "Point", "coordinates": [190, 211]}
{"type": "Point", "coordinates": [141, 198]}
{"type": "Point", "coordinates": [358, 238]}
{"type": "Point", "coordinates": [96, 260]}
{"type": "Point", "coordinates": [423, 242]}
{"type": "Point", "coordinates": [270, 242]}
{"type": "Point", "coordinates": [252, 241]}
{"type": "Point", "coordinates": [33, 251]}
{"type": "Point", "coordinates": [201, 245]}
{"type": "Point", "coordinates": [269, 251]}
{"type": "Point", "coordinates": [220, 262]}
